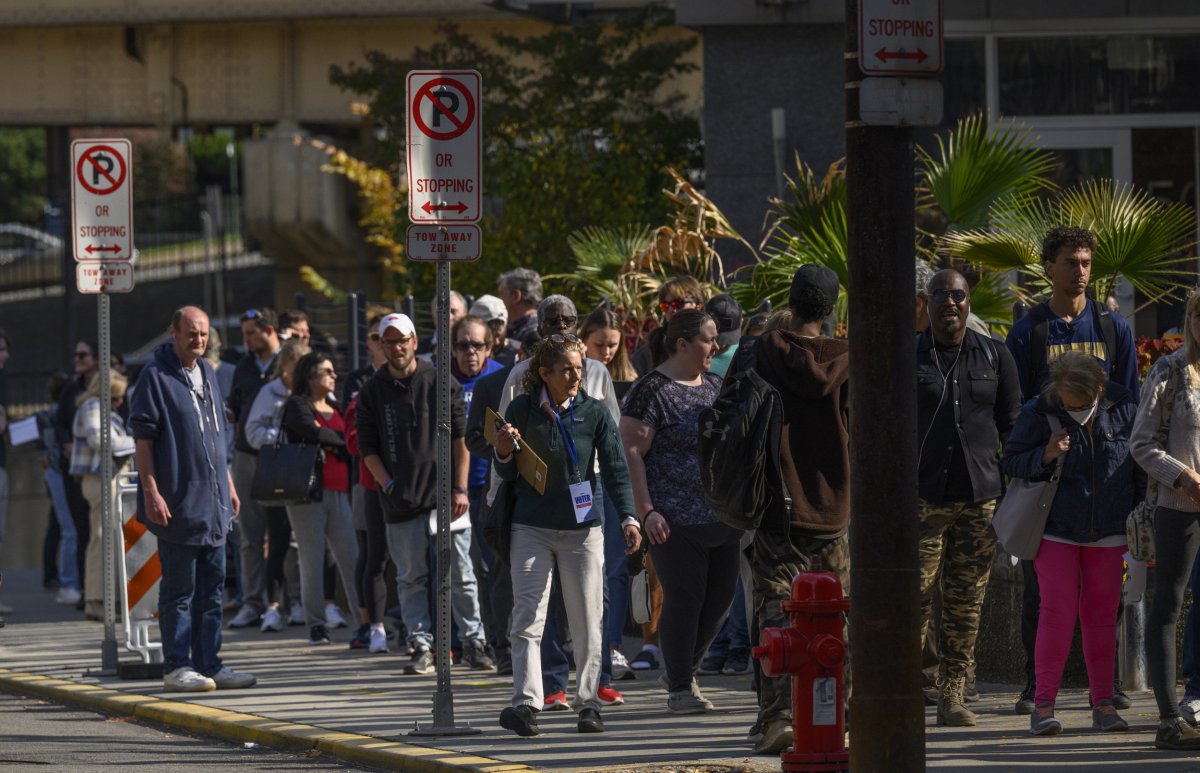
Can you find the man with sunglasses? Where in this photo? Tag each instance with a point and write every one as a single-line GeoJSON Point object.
{"type": "Point", "coordinates": [1068, 321]}
{"type": "Point", "coordinates": [967, 402]}
{"type": "Point", "coordinates": [260, 333]}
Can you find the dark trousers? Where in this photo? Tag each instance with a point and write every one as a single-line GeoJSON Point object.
{"type": "Point", "coordinates": [279, 542]}
{"type": "Point", "coordinates": [80, 512]}
{"type": "Point", "coordinates": [1176, 543]}
{"type": "Point", "coordinates": [372, 558]}
{"type": "Point", "coordinates": [1031, 601]}
{"type": "Point", "coordinates": [189, 603]}
{"type": "Point", "coordinates": [698, 567]}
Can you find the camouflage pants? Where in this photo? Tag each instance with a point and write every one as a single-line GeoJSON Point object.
{"type": "Point", "coordinates": [957, 547]}
{"type": "Point", "coordinates": [775, 561]}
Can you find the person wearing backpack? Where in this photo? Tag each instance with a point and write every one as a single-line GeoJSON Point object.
{"type": "Point", "coordinates": [1068, 321]}
{"type": "Point", "coordinates": [967, 403]}
{"type": "Point", "coordinates": [811, 513]}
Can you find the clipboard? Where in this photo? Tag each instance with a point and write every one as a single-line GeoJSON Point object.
{"type": "Point", "coordinates": [529, 465]}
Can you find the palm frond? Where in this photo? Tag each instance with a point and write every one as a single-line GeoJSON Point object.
{"type": "Point", "coordinates": [976, 166]}
{"type": "Point", "coordinates": [992, 299]}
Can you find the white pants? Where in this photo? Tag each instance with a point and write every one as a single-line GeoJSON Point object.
{"type": "Point", "coordinates": [578, 557]}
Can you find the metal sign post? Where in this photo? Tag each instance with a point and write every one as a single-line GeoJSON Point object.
{"type": "Point", "coordinates": [102, 207]}
{"type": "Point", "coordinates": [444, 152]}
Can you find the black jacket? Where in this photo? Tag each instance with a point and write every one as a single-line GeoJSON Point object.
{"type": "Point", "coordinates": [247, 380]}
{"type": "Point", "coordinates": [979, 406]}
{"type": "Point", "coordinates": [488, 391]}
{"type": "Point", "coordinates": [397, 421]}
{"type": "Point", "coordinates": [300, 426]}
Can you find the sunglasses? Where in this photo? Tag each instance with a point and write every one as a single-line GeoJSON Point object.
{"type": "Point", "coordinates": [561, 321]}
{"type": "Point", "coordinates": [82, 355]}
{"type": "Point", "coordinates": [470, 346]}
{"type": "Point", "coordinates": [396, 342]}
{"type": "Point", "coordinates": [678, 304]}
{"type": "Point", "coordinates": [939, 296]}
{"type": "Point", "coordinates": [566, 338]}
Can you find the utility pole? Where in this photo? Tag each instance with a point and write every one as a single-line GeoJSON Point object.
{"type": "Point", "coordinates": [888, 727]}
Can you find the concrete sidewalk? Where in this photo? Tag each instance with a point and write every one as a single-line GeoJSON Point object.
{"type": "Point", "coordinates": [359, 707]}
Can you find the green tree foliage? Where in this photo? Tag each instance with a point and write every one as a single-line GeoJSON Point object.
{"type": "Point", "coordinates": [22, 175]}
{"type": "Point", "coordinates": [578, 124]}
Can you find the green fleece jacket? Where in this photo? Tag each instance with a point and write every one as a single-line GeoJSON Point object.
{"type": "Point", "coordinates": [595, 434]}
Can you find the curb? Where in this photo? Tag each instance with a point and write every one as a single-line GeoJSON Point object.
{"type": "Point", "coordinates": [241, 728]}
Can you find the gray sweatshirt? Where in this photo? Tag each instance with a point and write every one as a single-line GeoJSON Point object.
{"type": "Point", "coordinates": [1164, 460]}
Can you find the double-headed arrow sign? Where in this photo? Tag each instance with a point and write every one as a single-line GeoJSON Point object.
{"type": "Point", "coordinates": [91, 248]}
{"type": "Point", "coordinates": [918, 56]}
{"type": "Point", "coordinates": [429, 207]}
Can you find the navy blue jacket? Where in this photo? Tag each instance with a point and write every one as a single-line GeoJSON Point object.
{"type": "Point", "coordinates": [191, 449]}
{"type": "Point", "coordinates": [1100, 481]}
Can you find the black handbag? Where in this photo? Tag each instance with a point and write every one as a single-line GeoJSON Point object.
{"type": "Point", "coordinates": [497, 520]}
{"type": "Point", "coordinates": [288, 474]}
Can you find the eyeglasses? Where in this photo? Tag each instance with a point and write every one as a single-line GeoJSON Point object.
{"type": "Point", "coordinates": [251, 314]}
{"type": "Point", "coordinates": [82, 355]}
{"type": "Point", "coordinates": [470, 346]}
{"type": "Point", "coordinates": [677, 304]}
{"type": "Point", "coordinates": [396, 343]}
{"type": "Point", "coordinates": [563, 321]}
{"type": "Point", "coordinates": [565, 338]}
{"type": "Point", "coordinates": [374, 336]}
{"type": "Point", "coordinates": [939, 296]}
{"type": "Point", "coordinates": [326, 372]}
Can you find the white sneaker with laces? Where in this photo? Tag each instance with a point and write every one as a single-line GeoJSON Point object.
{"type": "Point", "coordinates": [1190, 709]}
{"type": "Point", "coordinates": [185, 679]}
{"type": "Point", "coordinates": [228, 679]}
{"type": "Point", "coordinates": [296, 614]}
{"type": "Point", "coordinates": [67, 596]}
{"type": "Point", "coordinates": [334, 617]}
{"type": "Point", "coordinates": [379, 640]}
{"type": "Point", "coordinates": [272, 620]}
{"type": "Point", "coordinates": [246, 616]}
{"type": "Point", "coordinates": [620, 666]}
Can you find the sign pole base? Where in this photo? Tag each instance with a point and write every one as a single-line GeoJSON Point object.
{"type": "Point", "coordinates": [443, 708]}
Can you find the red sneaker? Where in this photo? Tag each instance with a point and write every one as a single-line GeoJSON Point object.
{"type": "Point", "coordinates": [609, 696]}
{"type": "Point", "coordinates": [556, 701]}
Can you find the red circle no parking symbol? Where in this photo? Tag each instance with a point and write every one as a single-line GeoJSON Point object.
{"type": "Point", "coordinates": [101, 170]}
{"type": "Point", "coordinates": [448, 97]}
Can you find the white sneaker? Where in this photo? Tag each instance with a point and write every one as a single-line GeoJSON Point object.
{"type": "Point", "coordinates": [1190, 709]}
{"type": "Point", "coordinates": [334, 617]}
{"type": "Point", "coordinates": [67, 596]}
{"type": "Point", "coordinates": [620, 666]}
{"type": "Point", "coordinates": [184, 679]}
{"type": "Point", "coordinates": [379, 640]}
{"type": "Point", "coordinates": [296, 614]}
{"type": "Point", "coordinates": [246, 616]}
{"type": "Point", "coordinates": [228, 679]}
{"type": "Point", "coordinates": [272, 620]}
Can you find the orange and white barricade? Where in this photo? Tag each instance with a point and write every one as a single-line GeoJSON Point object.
{"type": "Point", "coordinates": [140, 574]}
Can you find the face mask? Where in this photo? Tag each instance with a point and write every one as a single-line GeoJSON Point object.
{"type": "Point", "coordinates": [1082, 417]}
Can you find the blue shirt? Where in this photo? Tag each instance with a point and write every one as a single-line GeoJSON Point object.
{"type": "Point", "coordinates": [1082, 334]}
{"type": "Point", "coordinates": [479, 464]}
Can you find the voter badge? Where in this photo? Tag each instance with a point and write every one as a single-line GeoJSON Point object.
{"type": "Point", "coordinates": [581, 497]}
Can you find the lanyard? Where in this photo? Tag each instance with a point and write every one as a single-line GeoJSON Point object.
{"type": "Point", "coordinates": [569, 435]}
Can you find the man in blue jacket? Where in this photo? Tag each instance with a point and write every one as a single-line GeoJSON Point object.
{"type": "Point", "coordinates": [187, 500]}
{"type": "Point", "coordinates": [1069, 321]}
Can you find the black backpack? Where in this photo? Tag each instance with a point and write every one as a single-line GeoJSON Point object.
{"type": "Point", "coordinates": [739, 449]}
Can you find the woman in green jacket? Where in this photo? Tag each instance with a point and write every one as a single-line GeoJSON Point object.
{"type": "Point", "coordinates": [556, 532]}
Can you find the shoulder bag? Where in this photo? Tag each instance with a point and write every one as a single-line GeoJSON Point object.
{"type": "Point", "coordinates": [1020, 519]}
{"type": "Point", "coordinates": [288, 474]}
{"type": "Point", "coordinates": [1139, 526]}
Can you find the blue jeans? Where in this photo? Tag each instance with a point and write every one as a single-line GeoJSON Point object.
{"type": "Point", "coordinates": [189, 604]}
{"type": "Point", "coordinates": [616, 577]}
{"type": "Point", "coordinates": [68, 572]}
{"type": "Point", "coordinates": [735, 633]}
{"type": "Point", "coordinates": [409, 544]}
{"type": "Point", "coordinates": [1191, 639]}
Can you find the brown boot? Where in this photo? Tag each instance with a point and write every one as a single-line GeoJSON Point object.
{"type": "Point", "coordinates": [952, 708]}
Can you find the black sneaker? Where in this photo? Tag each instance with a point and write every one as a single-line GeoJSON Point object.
{"type": "Point", "coordinates": [522, 720]}
{"type": "Point", "coordinates": [589, 721]}
{"type": "Point", "coordinates": [504, 662]}
{"type": "Point", "coordinates": [738, 662]}
{"type": "Point", "coordinates": [1120, 700]}
{"type": "Point", "coordinates": [317, 635]}
{"type": "Point", "coordinates": [1025, 700]}
{"type": "Point", "coordinates": [711, 665]}
{"type": "Point", "coordinates": [421, 663]}
{"type": "Point", "coordinates": [362, 639]}
{"type": "Point", "coordinates": [475, 656]}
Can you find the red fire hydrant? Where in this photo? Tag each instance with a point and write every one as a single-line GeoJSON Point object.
{"type": "Point", "coordinates": [813, 653]}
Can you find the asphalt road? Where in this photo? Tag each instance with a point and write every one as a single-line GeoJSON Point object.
{"type": "Point", "coordinates": [36, 736]}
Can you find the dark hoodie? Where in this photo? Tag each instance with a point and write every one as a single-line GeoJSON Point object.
{"type": "Point", "coordinates": [191, 449]}
{"type": "Point", "coordinates": [811, 376]}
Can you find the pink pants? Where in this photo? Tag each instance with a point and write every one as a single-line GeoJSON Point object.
{"type": "Point", "coordinates": [1077, 582]}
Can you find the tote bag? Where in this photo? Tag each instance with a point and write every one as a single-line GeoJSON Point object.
{"type": "Point", "coordinates": [1020, 520]}
{"type": "Point", "coordinates": [288, 474]}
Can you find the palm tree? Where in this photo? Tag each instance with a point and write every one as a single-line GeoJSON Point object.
{"type": "Point", "coordinates": [1138, 237]}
